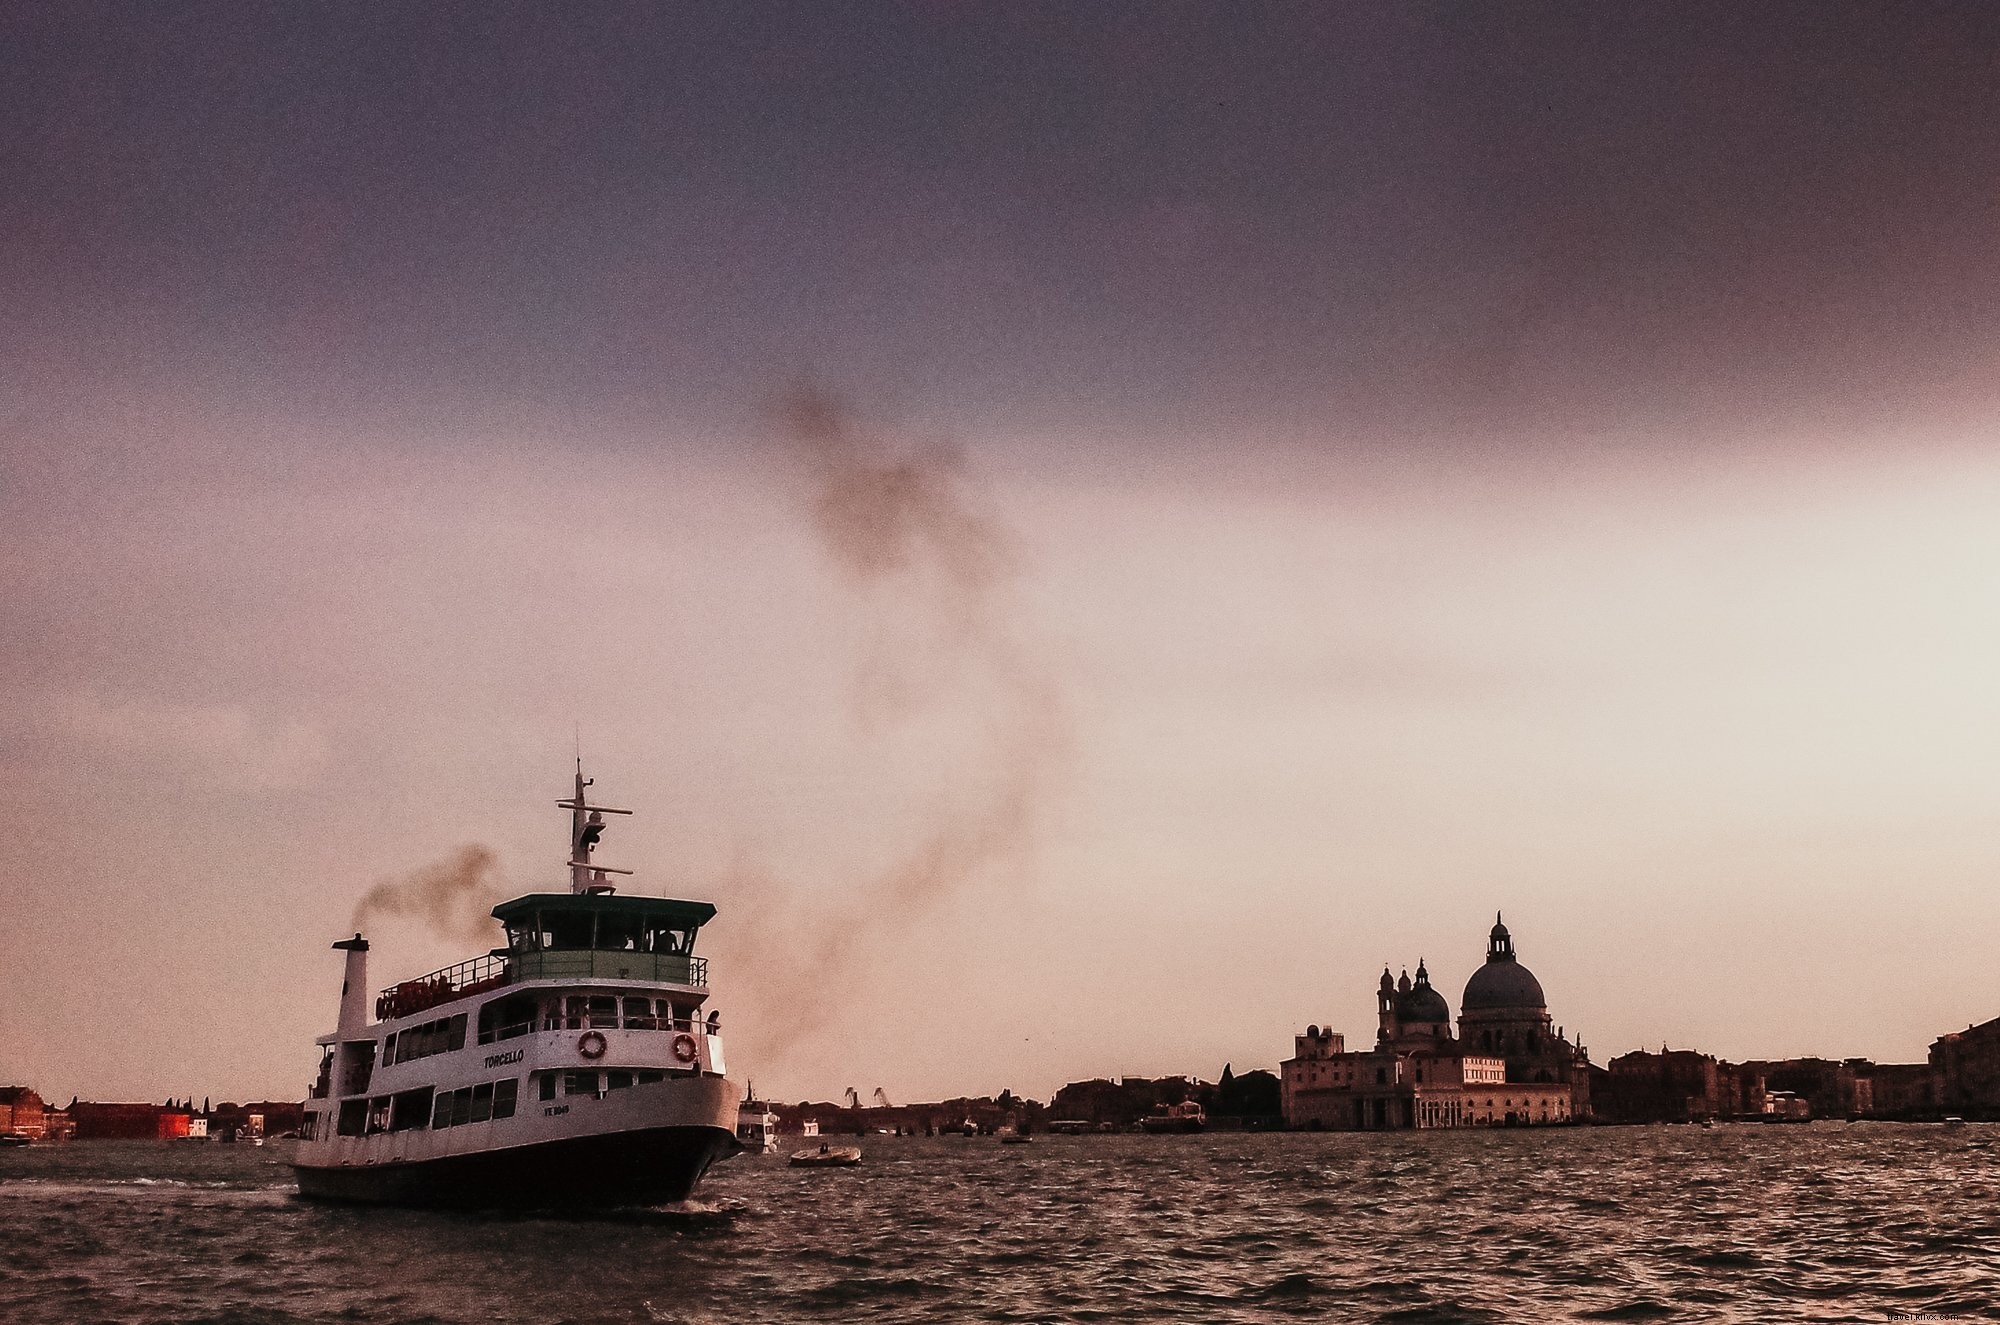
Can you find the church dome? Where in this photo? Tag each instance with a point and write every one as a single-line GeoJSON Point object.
{"type": "Point", "coordinates": [1503, 984]}
{"type": "Point", "coordinates": [1422, 1003]}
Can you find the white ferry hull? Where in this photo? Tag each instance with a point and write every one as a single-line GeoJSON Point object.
{"type": "Point", "coordinates": [619, 1169]}
{"type": "Point", "coordinates": [644, 1145]}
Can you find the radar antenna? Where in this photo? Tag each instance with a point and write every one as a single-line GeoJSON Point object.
{"type": "Point", "coordinates": [586, 826]}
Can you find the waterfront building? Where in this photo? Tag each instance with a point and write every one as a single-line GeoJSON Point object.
{"type": "Point", "coordinates": [1507, 1066]}
{"type": "Point", "coordinates": [22, 1112]}
{"type": "Point", "coordinates": [1967, 1063]}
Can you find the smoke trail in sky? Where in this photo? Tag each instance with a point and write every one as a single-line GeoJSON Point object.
{"type": "Point", "coordinates": [454, 897]}
{"type": "Point", "coordinates": [901, 529]}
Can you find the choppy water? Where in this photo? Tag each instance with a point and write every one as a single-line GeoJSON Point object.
{"type": "Point", "coordinates": [1822, 1223]}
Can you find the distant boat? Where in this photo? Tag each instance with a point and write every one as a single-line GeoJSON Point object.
{"type": "Point", "coordinates": [1011, 1135]}
{"type": "Point", "coordinates": [756, 1128]}
{"type": "Point", "coordinates": [10, 1139]}
{"type": "Point", "coordinates": [1187, 1116]}
{"type": "Point", "coordinates": [826, 1157]}
{"type": "Point", "coordinates": [1953, 1120]}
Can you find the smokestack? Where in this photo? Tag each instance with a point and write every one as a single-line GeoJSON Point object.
{"type": "Point", "coordinates": [353, 988]}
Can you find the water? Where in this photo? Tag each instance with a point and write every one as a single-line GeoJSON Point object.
{"type": "Point", "coordinates": [1823, 1223]}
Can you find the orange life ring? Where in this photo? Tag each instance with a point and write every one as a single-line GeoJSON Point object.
{"type": "Point", "coordinates": [684, 1049]}
{"type": "Point", "coordinates": [590, 1044]}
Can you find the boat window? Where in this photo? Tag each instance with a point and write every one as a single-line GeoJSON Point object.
{"type": "Point", "coordinates": [482, 1104]}
{"type": "Point", "coordinates": [617, 1080]}
{"type": "Point", "coordinates": [603, 1012]}
{"type": "Point", "coordinates": [666, 1014]}
{"type": "Point", "coordinates": [576, 1006]}
{"type": "Point", "coordinates": [457, 1034]}
{"type": "Point", "coordinates": [617, 933]}
{"type": "Point", "coordinates": [378, 1114]}
{"type": "Point", "coordinates": [548, 1086]}
{"type": "Point", "coordinates": [353, 1117]}
{"type": "Point", "coordinates": [412, 1108]}
{"type": "Point", "coordinates": [568, 929]}
{"type": "Point", "coordinates": [389, 1050]}
{"type": "Point", "coordinates": [579, 1083]}
{"type": "Point", "coordinates": [504, 1093]}
{"type": "Point", "coordinates": [648, 1078]}
{"type": "Point", "coordinates": [461, 1106]}
{"type": "Point", "coordinates": [441, 1114]}
{"type": "Point", "coordinates": [505, 1018]}
{"type": "Point", "coordinates": [639, 1014]}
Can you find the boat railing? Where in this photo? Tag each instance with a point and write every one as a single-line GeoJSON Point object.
{"type": "Point", "coordinates": [453, 982]}
{"type": "Point", "coordinates": [607, 1022]}
{"type": "Point", "coordinates": [676, 968]}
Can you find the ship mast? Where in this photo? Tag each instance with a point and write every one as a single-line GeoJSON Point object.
{"type": "Point", "coordinates": [586, 826]}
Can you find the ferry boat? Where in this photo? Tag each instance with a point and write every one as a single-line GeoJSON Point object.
{"type": "Point", "coordinates": [572, 1067]}
{"type": "Point", "coordinates": [756, 1126]}
{"type": "Point", "coordinates": [1187, 1116]}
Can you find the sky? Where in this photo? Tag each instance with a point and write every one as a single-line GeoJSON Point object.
{"type": "Point", "coordinates": [1086, 532]}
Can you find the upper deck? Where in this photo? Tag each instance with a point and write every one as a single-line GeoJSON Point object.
{"type": "Point", "coordinates": [570, 936]}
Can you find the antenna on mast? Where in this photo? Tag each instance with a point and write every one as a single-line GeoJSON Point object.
{"type": "Point", "coordinates": [586, 826]}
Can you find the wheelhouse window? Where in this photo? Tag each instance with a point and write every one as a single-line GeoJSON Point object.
{"type": "Point", "coordinates": [639, 1015]}
{"type": "Point", "coordinates": [579, 1083]}
{"type": "Point", "coordinates": [603, 1012]}
{"type": "Point", "coordinates": [504, 1096]}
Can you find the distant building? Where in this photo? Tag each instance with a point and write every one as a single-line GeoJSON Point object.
{"type": "Point", "coordinates": [1121, 1103]}
{"type": "Point", "coordinates": [125, 1122]}
{"type": "Point", "coordinates": [1900, 1090]}
{"type": "Point", "coordinates": [1508, 1065]}
{"type": "Point", "coordinates": [1671, 1086]}
{"type": "Point", "coordinates": [1830, 1089]}
{"type": "Point", "coordinates": [22, 1111]}
{"type": "Point", "coordinates": [1968, 1070]}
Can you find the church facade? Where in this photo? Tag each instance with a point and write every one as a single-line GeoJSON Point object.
{"type": "Point", "coordinates": [1507, 1066]}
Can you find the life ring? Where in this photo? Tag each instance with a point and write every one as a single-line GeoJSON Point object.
{"type": "Point", "coordinates": [684, 1049]}
{"type": "Point", "coordinates": [590, 1044]}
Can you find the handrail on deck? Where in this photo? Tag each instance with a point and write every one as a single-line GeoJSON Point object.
{"type": "Point", "coordinates": [453, 982]}
{"type": "Point", "coordinates": [481, 974]}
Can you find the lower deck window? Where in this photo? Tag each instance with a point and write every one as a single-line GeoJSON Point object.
{"type": "Point", "coordinates": [476, 1104]}
{"type": "Point", "coordinates": [353, 1117]}
{"type": "Point", "coordinates": [547, 1086]}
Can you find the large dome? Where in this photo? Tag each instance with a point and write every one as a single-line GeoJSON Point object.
{"type": "Point", "coordinates": [1503, 984]}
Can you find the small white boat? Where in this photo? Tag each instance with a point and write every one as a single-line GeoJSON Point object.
{"type": "Point", "coordinates": [756, 1127]}
{"type": "Point", "coordinates": [826, 1157]}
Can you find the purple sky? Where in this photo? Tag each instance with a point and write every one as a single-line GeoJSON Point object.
{"type": "Point", "coordinates": [1440, 458]}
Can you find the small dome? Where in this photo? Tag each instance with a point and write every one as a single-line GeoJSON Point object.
{"type": "Point", "coordinates": [1422, 1003]}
